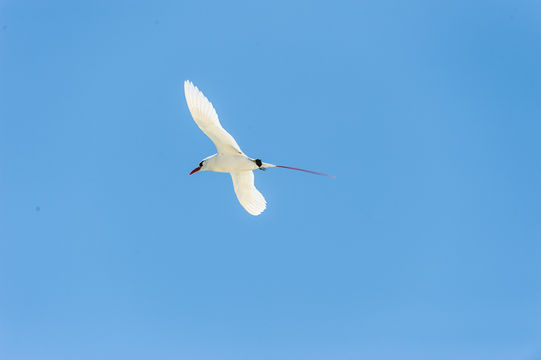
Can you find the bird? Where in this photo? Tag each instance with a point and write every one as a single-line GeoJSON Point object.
{"type": "Point", "coordinates": [229, 158]}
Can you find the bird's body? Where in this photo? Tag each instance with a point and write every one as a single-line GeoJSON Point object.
{"type": "Point", "coordinates": [229, 158]}
{"type": "Point", "coordinates": [230, 163]}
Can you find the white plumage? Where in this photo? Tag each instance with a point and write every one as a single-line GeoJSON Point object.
{"type": "Point", "coordinates": [249, 197]}
{"type": "Point", "coordinates": [206, 118]}
{"type": "Point", "coordinates": [230, 158]}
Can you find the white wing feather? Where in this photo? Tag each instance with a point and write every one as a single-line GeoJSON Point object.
{"type": "Point", "coordinates": [249, 197]}
{"type": "Point", "coordinates": [206, 118]}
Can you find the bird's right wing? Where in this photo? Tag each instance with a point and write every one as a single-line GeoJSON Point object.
{"type": "Point", "coordinates": [249, 197]}
{"type": "Point", "coordinates": [206, 118]}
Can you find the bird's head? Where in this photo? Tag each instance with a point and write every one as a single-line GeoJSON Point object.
{"type": "Point", "coordinates": [200, 167]}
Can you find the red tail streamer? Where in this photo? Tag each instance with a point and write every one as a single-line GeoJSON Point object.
{"type": "Point", "coordinates": [308, 171]}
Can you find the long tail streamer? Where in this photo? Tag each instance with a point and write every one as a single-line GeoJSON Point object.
{"type": "Point", "coordinates": [308, 171]}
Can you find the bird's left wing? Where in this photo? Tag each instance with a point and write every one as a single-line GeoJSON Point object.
{"type": "Point", "coordinates": [206, 118]}
{"type": "Point", "coordinates": [249, 197]}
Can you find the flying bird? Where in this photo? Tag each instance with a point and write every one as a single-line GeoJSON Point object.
{"type": "Point", "coordinates": [230, 158]}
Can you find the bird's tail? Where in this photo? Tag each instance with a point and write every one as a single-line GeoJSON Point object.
{"type": "Point", "coordinates": [266, 165]}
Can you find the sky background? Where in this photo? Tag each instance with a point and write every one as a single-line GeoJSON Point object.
{"type": "Point", "coordinates": [427, 245]}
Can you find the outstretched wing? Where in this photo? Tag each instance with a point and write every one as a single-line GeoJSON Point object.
{"type": "Point", "coordinates": [249, 197]}
{"type": "Point", "coordinates": [206, 118]}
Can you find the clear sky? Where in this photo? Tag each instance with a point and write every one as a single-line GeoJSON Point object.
{"type": "Point", "coordinates": [425, 246]}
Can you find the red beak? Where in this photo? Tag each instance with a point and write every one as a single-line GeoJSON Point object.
{"type": "Point", "coordinates": [195, 170]}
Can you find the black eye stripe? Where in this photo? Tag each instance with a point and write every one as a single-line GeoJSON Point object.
{"type": "Point", "coordinates": [201, 164]}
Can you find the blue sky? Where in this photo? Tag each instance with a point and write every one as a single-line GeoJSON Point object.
{"type": "Point", "coordinates": [425, 246]}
